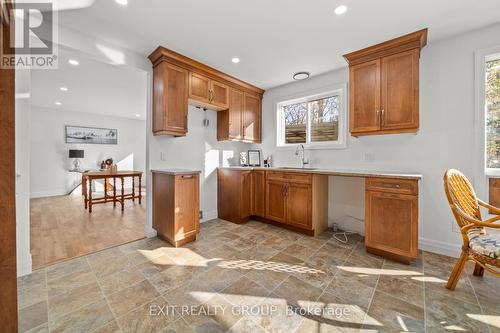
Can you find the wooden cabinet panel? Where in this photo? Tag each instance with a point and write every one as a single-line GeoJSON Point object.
{"type": "Point", "coordinates": [391, 223]}
{"type": "Point", "coordinates": [494, 192]}
{"type": "Point", "coordinates": [170, 100]}
{"type": "Point", "coordinates": [259, 193]}
{"type": "Point", "coordinates": [252, 118]}
{"type": "Point", "coordinates": [246, 194]}
{"type": "Point", "coordinates": [186, 205]}
{"type": "Point", "coordinates": [399, 84]}
{"type": "Point", "coordinates": [236, 114]}
{"type": "Point", "coordinates": [199, 87]}
{"type": "Point", "coordinates": [219, 94]}
{"type": "Point", "coordinates": [298, 205]}
{"type": "Point", "coordinates": [403, 186]}
{"type": "Point", "coordinates": [176, 207]}
{"type": "Point", "coordinates": [275, 201]}
{"type": "Point", "coordinates": [364, 97]}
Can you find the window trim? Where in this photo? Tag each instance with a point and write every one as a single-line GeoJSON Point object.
{"type": "Point", "coordinates": [339, 90]}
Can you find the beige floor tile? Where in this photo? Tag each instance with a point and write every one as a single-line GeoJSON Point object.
{"type": "Point", "coordinates": [402, 287]}
{"type": "Point", "coordinates": [277, 242]}
{"type": "Point", "coordinates": [120, 280]}
{"type": "Point", "coordinates": [109, 263]}
{"type": "Point", "coordinates": [178, 326]}
{"type": "Point", "coordinates": [111, 327]}
{"type": "Point", "coordinates": [32, 316]}
{"type": "Point", "coordinates": [74, 299]}
{"type": "Point", "coordinates": [311, 242]}
{"type": "Point", "coordinates": [394, 314]}
{"type": "Point", "coordinates": [277, 315]}
{"type": "Point", "coordinates": [259, 252]}
{"type": "Point", "coordinates": [153, 316]}
{"type": "Point", "coordinates": [66, 267]}
{"type": "Point", "coordinates": [296, 291]}
{"type": "Point", "coordinates": [269, 278]}
{"type": "Point", "coordinates": [44, 328]}
{"type": "Point", "coordinates": [34, 280]}
{"type": "Point", "coordinates": [246, 325]}
{"type": "Point", "coordinates": [299, 251]}
{"type": "Point", "coordinates": [192, 293]}
{"type": "Point", "coordinates": [245, 292]}
{"type": "Point", "coordinates": [156, 265]}
{"type": "Point", "coordinates": [219, 278]}
{"type": "Point", "coordinates": [69, 282]}
{"type": "Point", "coordinates": [86, 319]}
{"type": "Point", "coordinates": [131, 297]}
{"type": "Point", "coordinates": [172, 278]}
{"type": "Point", "coordinates": [29, 296]}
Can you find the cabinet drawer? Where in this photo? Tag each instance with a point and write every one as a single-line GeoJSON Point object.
{"type": "Point", "coordinates": [294, 177]}
{"type": "Point", "coordinates": [403, 186]}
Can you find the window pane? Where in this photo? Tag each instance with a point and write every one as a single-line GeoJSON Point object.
{"type": "Point", "coordinates": [295, 122]}
{"type": "Point", "coordinates": [325, 119]}
{"type": "Point", "coordinates": [493, 114]}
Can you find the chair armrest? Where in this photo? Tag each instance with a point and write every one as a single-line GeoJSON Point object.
{"type": "Point", "coordinates": [491, 208]}
{"type": "Point", "coordinates": [489, 223]}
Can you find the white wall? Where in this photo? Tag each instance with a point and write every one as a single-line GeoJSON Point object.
{"type": "Point", "coordinates": [49, 162]}
{"type": "Point", "coordinates": [445, 139]}
{"type": "Point", "coordinates": [199, 150]}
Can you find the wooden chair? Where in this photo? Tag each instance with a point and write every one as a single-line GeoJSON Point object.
{"type": "Point", "coordinates": [479, 246]}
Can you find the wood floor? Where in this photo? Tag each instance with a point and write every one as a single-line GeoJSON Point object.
{"type": "Point", "coordinates": [62, 229]}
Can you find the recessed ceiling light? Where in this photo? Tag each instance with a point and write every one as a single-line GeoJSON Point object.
{"type": "Point", "coordinates": [63, 89]}
{"type": "Point", "coordinates": [73, 62]}
{"type": "Point", "coordinates": [235, 60]}
{"type": "Point", "coordinates": [138, 115]}
{"type": "Point", "coordinates": [301, 76]}
{"type": "Point", "coordinates": [341, 9]}
{"type": "Point", "coordinates": [122, 2]}
{"type": "Point", "coordinates": [58, 103]}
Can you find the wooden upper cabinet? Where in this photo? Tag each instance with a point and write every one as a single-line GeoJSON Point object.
{"type": "Point", "coordinates": [170, 100]}
{"type": "Point", "coordinates": [199, 88]}
{"type": "Point", "coordinates": [179, 81]}
{"type": "Point", "coordinates": [383, 86]}
{"type": "Point", "coordinates": [252, 118]}
{"type": "Point", "coordinates": [364, 87]}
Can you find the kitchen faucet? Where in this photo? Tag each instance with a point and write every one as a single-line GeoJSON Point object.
{"type": "Point", "coordinates": [303, 159]}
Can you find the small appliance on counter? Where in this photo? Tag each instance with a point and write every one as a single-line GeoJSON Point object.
{"type": "Point", "coordinates": [243, 159]}
{"type": "Point", "coordinates": [268, 161]}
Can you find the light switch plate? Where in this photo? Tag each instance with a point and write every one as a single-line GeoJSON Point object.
{"type": "Point", "coordinates": [163, 156]}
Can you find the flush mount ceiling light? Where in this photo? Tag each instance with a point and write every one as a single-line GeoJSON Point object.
{"type": "Point", "coordinates": [340, 10]}
{"type": "Point", "coordinates": [301, 76]}
{"type": "Point", "coordinates": [122, 2]}
{"type": "Point", "coordinates": [63, 89]}
{"type": "Point", "coordinates": [73, 62]}
{"type": "Point", "coordinates": [235, 60]}
{"type": "Point", "coordinates": [58, 103]}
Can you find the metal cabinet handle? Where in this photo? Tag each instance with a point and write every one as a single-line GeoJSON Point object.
{"type": "Point", "coordinates": [187, 176]}
{"type": "Point", "coordinates": [392, 185]}
{"type": "Point", "coordinates": [382, 112]}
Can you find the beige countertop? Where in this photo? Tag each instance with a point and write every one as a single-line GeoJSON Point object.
{"type": "Point", "coordinates": [175, 171]}
{"type": "Point", "coordinates": [336, 172]}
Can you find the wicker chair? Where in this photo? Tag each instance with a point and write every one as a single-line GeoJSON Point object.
{"type": "Point", "coordinates": [479, 246]}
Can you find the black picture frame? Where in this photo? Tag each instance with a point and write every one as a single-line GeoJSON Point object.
{"type": "Point", "coordinates": [71, 138]}
{"type": "Point", "coordinates": [252, 155]}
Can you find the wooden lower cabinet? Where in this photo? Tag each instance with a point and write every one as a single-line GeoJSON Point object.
{"type": "Point", "coordinates": [176, 206]}
{"type": "Point", "coordinates": [276, 200]}
{"type": "Point", "coordinates": [391, 218]}
{"type": "Point", "coordinates": [259, 193]}
{"type": "Point", "coordinates": [298, 206]}
{"type": "Point", "coordinates": [235, 195]}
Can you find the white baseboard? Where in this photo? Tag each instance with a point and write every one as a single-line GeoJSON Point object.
{"type": "Point", "coordinates": [44, 194]}
{"type": "Point", "coordinates": [448, 249]}
{"type": "Point", "coordinates": [24, 266]}
{"type": "Point", "coordinates": [209, 215]}
{"type": "Point", "coordinates": [150, 232]}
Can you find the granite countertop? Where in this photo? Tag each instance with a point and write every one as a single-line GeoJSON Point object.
{"type": "Point", "coordinates": [175, 171]}
{"type": "Point", "coordinates": [335, 172]}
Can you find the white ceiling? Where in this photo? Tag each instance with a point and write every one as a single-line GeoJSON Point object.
{"type": "Point", "coordinates": [93, 87]}
{"type": "Point", "coordinates": [273, 38]}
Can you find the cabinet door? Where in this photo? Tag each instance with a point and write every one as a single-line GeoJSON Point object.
{"type": "Point", "coordinates": [275, 201]}
{"type": "Point", "coordinates": [298, 205]}
{"type": "Point", "coordinates": [219, 95]}
{"type": "Point", "coordinates": [399, 83]}
{"type": "Point", "coordinates": [199, 88]}
{"type": "Point", "coordinates": [364, 97]}
{"type": "Point", "coordinates": [391, 222]}
{"type": "Point", "coordinates": [187, 205]}
{"type": "Point", "coordinates": [259, 193]}
{"type": "Point", "coordinates": [252, 118]}
{"type": "Point", "coordinates": [236, 114]}
{"type": "Point", "coordinates": [246, 192]}
{"type": "Point", "coordinates": [170, 100]}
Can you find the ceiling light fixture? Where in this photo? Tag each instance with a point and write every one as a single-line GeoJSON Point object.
{"type": "Point", "coordinates": [340, 10]}
{"type": "Point", "coordinates": [235, 60]}
{"type": "Point", "coordinates": [73, 62]}
{"type": "Point", "coordinates": [63, 89]}
{"type": "Point", "coordinates": [58, 103]}
{"type": "Point", "coordinates": [301, 76]}
{"type": "Point", "coordinates": [122, 2]}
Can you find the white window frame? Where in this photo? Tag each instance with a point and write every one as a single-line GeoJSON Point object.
{"type": "Point", "coordinates": [338, 90]}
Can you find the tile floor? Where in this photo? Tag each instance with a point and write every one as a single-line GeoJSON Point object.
{"type": "Point", "coordinates": [254, 278]}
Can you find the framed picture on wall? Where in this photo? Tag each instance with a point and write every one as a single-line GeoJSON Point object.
{"type": "Point", "coordinates": [95, 135]}
{"type": "Point", "coordinates": [253, 157]}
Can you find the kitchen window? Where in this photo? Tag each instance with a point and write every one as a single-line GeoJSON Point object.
{"type": "Point", "coordinates": [316, 121]}
{"type": "Point", "coordinates": [492, 94]}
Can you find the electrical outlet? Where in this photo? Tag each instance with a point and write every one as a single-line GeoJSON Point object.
{"type": "Point", "coordinates": [163, 156]}
{"type": "Point", "coordinates": [368, 157]}
{"type": "Point", "coordinates": [201, 215]}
